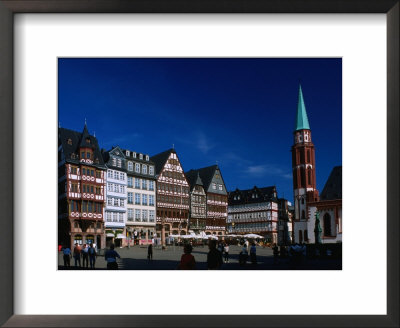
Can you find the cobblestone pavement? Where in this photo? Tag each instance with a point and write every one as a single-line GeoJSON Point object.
{"type": "Point", "coordinates": [135, 258]}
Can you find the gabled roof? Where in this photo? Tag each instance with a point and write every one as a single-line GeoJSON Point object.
{"type": "Point", "coordinates": [160, 159]}
{"type": "Point", "coordinates": [301, 117]}
{"type": "Point", "coordinates": [193, 178]}
{"type": "Point", "coordinates": [72, 147]}
{"type": "Point", "coordinates": [333, 186]}
{"type": "Point", "coordinates": [246, 196]}
{"type": "Point", "coordinates": [206, 174]}
{"type": "Point", "coordinates": [115, 151]}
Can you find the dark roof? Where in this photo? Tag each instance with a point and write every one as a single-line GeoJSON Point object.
{"type": "Point", "coordinates": [64, 135]}
{"type": "Point", "coordinates": [246, 196]}
{"type": "Point", "coordinates": [160, 159]}
{"type": "Point", "coordinates": [333, 186]}
{"type": "Point", "coordinates": [206, 174]}
{"type": "Point", "coordinates": [137, 159]}
{"type": "Point", "coordinates": [193, 178]}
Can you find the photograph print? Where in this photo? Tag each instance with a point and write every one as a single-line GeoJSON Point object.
{"type": "Point", "coordinates": [199, 164]}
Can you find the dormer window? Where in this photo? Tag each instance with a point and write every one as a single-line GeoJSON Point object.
{"type": "Point", "coordinates": [88, 140]}
{"type": "Point", "coordinates": [128, 153]}
{"type": "Point", "coordinates": [69, 141]}
{"type": "Point", "coordinates": [147, 157]}
{"type": "Point", "coordinates": [73, 155]}
{"type": "Point", "coordinates": [140, 156]}
{"type": "Point", "coordinates": [130, 166]}
{"type": "Point", "coordinates": [134, 155]}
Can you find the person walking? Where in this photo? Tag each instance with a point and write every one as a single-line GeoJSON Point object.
{"type": "Point", "coordinates": [77, 255]}
{"type": "Point", "coordinates": [243, 255]}
{"type": "Point", "coordinates": [226, 253]}
{"type": "Point", "coordinates": [276, 253]}
{"type": "Point", "coordinates": [150, 252]}
{"type": "Point", "coordinates": [92, 256]}
{"type": "Point", "coordinates": [214, 257]}
{"type": "Point", "coordinates": [187, 259]}
{"type": "Point", "coordinates": [85, 255]}
{"type": "Point", "coordinates": [111, 258]}
{"type": "Point", "coordinates": [253, 256]}
{"type": "Point", "coordinates": [67, 256]}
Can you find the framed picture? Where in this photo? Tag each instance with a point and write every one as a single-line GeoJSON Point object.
{"type": "Point", "coordinates": [222, 304]}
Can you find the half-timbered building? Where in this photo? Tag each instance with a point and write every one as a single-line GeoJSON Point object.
{"type": "Point", "coordinates": [198, 203]}
{"type": "Point", "coordinates": [254, 211]}
{"type": "Point", "coordinates": [81, 194]}
{"type": "Point", "coordinates": [172, 195]}
{"type": "Point", "coordinates": [216, 198]}
{"type": "Point", "coordinates": [141, 196]}
{"type": "Point", "coordinates": [115, 207]}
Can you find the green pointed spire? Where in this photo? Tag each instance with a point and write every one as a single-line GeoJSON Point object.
{"type": "Point", "coordinates": [301, 117]}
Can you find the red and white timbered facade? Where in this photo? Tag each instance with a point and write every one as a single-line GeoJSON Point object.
{"type": "Point", "coordinates": [82, 178]}
{"type": "Point", "coordinates": [172, 195]}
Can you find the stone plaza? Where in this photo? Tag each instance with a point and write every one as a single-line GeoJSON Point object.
{"type": "Point", "coordinates": [135, 258]}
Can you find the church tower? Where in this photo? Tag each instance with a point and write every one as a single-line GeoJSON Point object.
{"type": "Point", "coordinates": [303, 166]}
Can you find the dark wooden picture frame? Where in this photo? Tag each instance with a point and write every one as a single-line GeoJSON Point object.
{"type": "Point", "coordinates": [10, 7]}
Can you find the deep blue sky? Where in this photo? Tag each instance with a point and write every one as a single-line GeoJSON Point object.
{"type": "Point", "coordinates": [239, 112]}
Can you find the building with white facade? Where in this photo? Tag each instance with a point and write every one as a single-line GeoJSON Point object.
{"type": "Point", "coordinates": [141, 198]}
{"type": "Point", "coordinates": [115, 207]}
{"type": "Point", "coordinates": [254, 211]}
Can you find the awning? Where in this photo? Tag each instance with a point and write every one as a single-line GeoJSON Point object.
{"type": "Point", "coordinates": [109, 235]}
{"type": "Point", "coordinates": [120, 236]}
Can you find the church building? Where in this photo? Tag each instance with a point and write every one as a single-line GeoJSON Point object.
{"type": "Point", "coordinates": [303, 166]}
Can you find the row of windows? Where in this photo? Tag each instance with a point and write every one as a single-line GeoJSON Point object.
{"type": "Point", "coordinates": [252, 215]}
{"type": "Point", "coordinates": [141, 199]}
{"type": "Point", "coordinates": [128, 153]}
{"type": "Point", "coordinates": [141, 184]}
{"type": "Point", "coordinates": [112, 187]}
{"type": "Point", "coordinates": [172, 214]}
{"type": "Point", "coordinates": [91, 189]}
{"type": "Point", "coordinates": [173, 200]}
{"type": "Point", "coordinates": [172, 188]}
{"type": "Point", "coordinates": [174, 175]}
{"type": "Point", "coordinates": [115, 202]}
{"type": "Point", "coordinates": [214, 186]}
{"type": "Point", "coordinates": [198, 199]}
{"type": "Point", "coordinates": [114, 217]}
{"type": "Point", "coordinates": [141, 215]}
{"type": "Point", "coordinates": [142, 170]}
{"type": "Point", "coordinates": [260, 226]}
{"type": "Point", "coordinates": [116, 175]}
{"type": "Point", "coordinates": [86, 206]}
{"type": "Point", "coordinates": [86, 171]}
{"type": "Point", "coordinates": [199, 210]}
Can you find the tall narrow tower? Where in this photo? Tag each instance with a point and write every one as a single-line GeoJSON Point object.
{"type": "Point", "coordinates": [303, 165]}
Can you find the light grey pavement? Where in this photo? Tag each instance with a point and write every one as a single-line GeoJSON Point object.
{"type": "Point", "coordinates": [135, 258]}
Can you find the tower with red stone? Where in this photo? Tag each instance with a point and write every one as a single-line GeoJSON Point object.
{"type": "Point", "coordinates": [303, 166]}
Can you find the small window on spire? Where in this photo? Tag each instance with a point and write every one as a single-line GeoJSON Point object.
{"type": "Point", "coordinates": [69, 141]}
{"type": "Point", "coordinates": [88, 140]}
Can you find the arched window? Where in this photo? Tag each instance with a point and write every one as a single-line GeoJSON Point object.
{"type": "Point", "coordinates": [300, 236]}
{"type": "Point", "coordinates": [327, 225]}
{"type": "Point", "coordinates": [309, 176]}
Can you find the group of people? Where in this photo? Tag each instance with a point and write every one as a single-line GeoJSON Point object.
{"type": "Point", "coordinates": [296, 253]}
{"type": "Point", "coordinates": [217, 255]}
{"type": "Point", "coordinates": [214, 256]}
{"type": "Point", "coordinates": [87, 253]}
{"type": "Point", "coordinates": [244, 253]}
